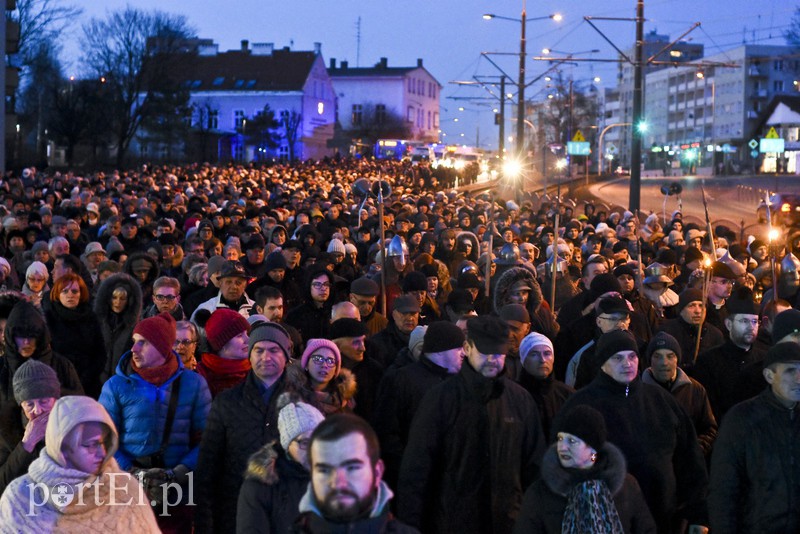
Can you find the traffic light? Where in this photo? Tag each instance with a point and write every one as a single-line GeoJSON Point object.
{"type": "Point", "coordinates": [496, 119]}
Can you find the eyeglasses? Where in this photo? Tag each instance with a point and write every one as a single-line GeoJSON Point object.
{"type": "Point", "coordinates": [744, 321]}
{"type": "Point", "coordinates": [168, 298]}
{"type": "Point", "coordinates": [303, 443]}
{"type": "Point", "coordinates": [320, 360]}
{"type": "Point", "coordinates": [185, 342]}
{"type": "Point", "coordinates": [613, 319]}
{"type": "Point", "coordinates": [321, 285]}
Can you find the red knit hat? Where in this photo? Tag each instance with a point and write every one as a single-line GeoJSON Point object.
{"type": "Point", "coordinates": [224, 325]}
{"type": "Point", "coordinates": [159, 331]}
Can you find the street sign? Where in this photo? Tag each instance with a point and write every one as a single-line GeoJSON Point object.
{"type": "Point", "coordinates": [578, 148]}
{"type": "Point", "coordinates": [578, 137]}
{"type": "Point", "coordinates": [770, 145]}
{"type": "Point", "coordinates": [611, 149]}
{"type": "Point", "coordinates": [754, 154]}
{"type": "Point", "coordinates": [753, 144]}
{"type": "Point", "coordinates": [772, 134]}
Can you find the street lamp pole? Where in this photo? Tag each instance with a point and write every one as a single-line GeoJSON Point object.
{"type": "Point", "coordinates": [600, 147]}
{"type": "Point", "coordinates": [521, 94]}
{"type": "Point", "coordinates": [638, 101]}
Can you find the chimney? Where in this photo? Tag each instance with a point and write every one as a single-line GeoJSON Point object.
{"type": "Point", "coordinates": [332, 63]}
{"type": "Point", "coordinates": [245, 45]}
{"type": "Point", "coordinates": [419, 62]}
{"type": "Point", "coordinates": [263, 49]}
{"type": "Point", "coordinates": [317, 48]}
{"type": "Point", "coordinates": [383, 64]}
{"type": "Point", "coordinates": [344, 65]}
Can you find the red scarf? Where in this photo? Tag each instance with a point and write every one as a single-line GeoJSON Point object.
{"type": "Point", "coordinates": [158, 375]}
{"type": "Point", "coordinates": [224, 366]}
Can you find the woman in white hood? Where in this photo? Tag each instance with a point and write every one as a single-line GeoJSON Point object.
{"type": "Point", "coordinates": [75, 482]}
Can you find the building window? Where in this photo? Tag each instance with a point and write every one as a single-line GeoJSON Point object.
{"type": "Point", "coordinates": [778, 65]}
{"type": "Point", "coordinates": [411, 85]}
{"type": "Point", "coordinates": [435, 119]}
{"type": "Point", "coordinates": [410, 114]}
{"type": "Point", "coordinates": [283, 152]}
{"type": "Point", "coordinates": [238, 119]}
{"type": "Point", "coordinates": [777, 86]}
{"type": "Point", "coordinates": [380, 113]}
{"type": "Point", "coordinates": [429, 120]}
{"type": "Point", "coordinates": [213, 119]}
{"type": "Point", "coordinates": [358, 115]}
{"type": "Point", "coordinates": [238, 151]}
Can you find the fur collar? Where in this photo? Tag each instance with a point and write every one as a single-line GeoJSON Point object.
{"type": "Point", "coordinates": [262, 465]}
{"type": "Point", "coordinates": [610, 468]}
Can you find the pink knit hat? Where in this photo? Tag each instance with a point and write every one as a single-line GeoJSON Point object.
{"type": "Point", "coordinates": [314, 345]}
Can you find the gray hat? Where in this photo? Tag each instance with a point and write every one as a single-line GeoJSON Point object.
{"type": "Point", "coordinates": [215, 264]}
{"type": "Point", "coordinates": [270, 332]}
{"type": "Point", "coordinates": [35, 380]}
{"type": "Point", "coordinates": [365, 287]}
{"type": "Point", "coordinates": [296, 418]}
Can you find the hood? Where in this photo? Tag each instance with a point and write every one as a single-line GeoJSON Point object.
{"type": "Point", "coordinates": [473, 256]}
{"type": "Point", "coordinates": [507, 281]}
{"type": "Point", "coordinates": [610, 468]}
{"type": "Point", "coordinates": [102, 302]}
{"type": "Point", "coordinates": [70, 411]}
{"type": "Point", "coordinates": [262, 465]}
{"type": "Point", "coordinates": [25, 318]}
{"type": "Point", "coordinates": [155, 270]}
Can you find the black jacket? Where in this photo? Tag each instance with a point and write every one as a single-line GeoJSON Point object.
{"type": "Point", "coordinates": [546, 500]}
{"type": "Point", "coordinates": [312, 322]}
{"type": "Point", "coordinates": [755, 471]}
{"type": "Point", "coordinates": [475, 445]}
{"type": "Point", "coordinates": [385, 345]}
{"type": "Point", "coordinates": [238, 425]}
{"type": "Point", "coordinates": [686, 335]}
{"type": "Point", "coordinates": [658, 440]}
{"type": "Point", "coordinates": [549, 395]}
{"type": "Point", "coordinates": [117, 329]}
{"type": "Point", "coordinates": [14, 459]}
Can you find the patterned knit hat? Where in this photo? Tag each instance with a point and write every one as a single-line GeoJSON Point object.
{"type": "Point", "coordinates": [296, 418]}
{"type": "Point", "coordinates": [224, 325]}
{"type": "Point", "coordinates": [314, 345]}
{"type": "Point", "coordinates": [35, 380]}
{"type": "Point", "coordinates": [159, 331]}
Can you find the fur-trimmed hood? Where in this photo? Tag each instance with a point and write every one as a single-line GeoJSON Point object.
{"type": "Point", "coordinates": [262, 465]}
{"type": "Point", "coordinates": [344, 385]}
{"type": "Point", "coordinates": [475, 253]}
{"type": "Point", "coordinates": [611, 468]}
{"type": "Point", "coordinates": [507, 280]}
{"type": "Point", "coordinates": [102, 302]}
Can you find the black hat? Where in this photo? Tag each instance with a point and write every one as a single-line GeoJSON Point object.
{"type": "Point", "coordinates": [689, 295]}
{"type": "Point", "coordinates": [275, 260]}
{"type": "Point", "coordinates": [441, 336]}
{"type": "Point", "coordinates": [256, 241]}
{"type": "Point", "coordinates": [232, 268]}
{"type": "Point", "coordinates": [613, 342]}
{"type": "Point", "coordinates": [488, 333]}
{"type": "Point", "coordinates": [460, 300]}
{"type": "Point", "coordinates": [515, 312]}
{"type": "Point", "coordinates": [613, 304]}
{"type": "Point", "coordinates": [604, 283]}
{"type": "Point", "coordinates": [721, 270]}
{"type": "Point", "coordinates": [415, 281]}
{"type": "Point", "coordinates": [468, 280]}
{"type": "Point", "coordinates": [430, 270]}
{"type": "Point", "coordinates": [365, 287]}
{"type": "Point", "coordinates": [586, 423]}
{"type": "Point", "coordinates": [625, 268]}
{"type": "Point", "coordinates": [662, 340]}
{"type": "Point", "coordinates": [692, 254]}
{"type": "Point", "coordinates": [785, 352]}
{"type": "Point", "coordinates": [667, 256]}
{"type": "Point", "coordinates": [741, 302]}
{"type": "Point", "coordinates": [347, 327]}
{"type": "Point", "coordinates": [785, 323]}
{"type": "Point", "coordinates": [292, 243]}
{"type": "Point", "coordinates": [755, 245]}
{"type": "Point", "coordinates": [405, 304]}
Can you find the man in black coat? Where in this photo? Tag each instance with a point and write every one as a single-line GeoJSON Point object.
{"type": "Point", "coordinates": [684, 328]}
{"type": "Point", "coordinates": [350, 336]}
{"type": "Point", "coordinates": [388, 342]}
{"type": "Point", "coordinates": [652, 430]}
{"type": "Point", "coordinates": [755, 475]}
{"type": "Point", "coordinates": [475, 444]}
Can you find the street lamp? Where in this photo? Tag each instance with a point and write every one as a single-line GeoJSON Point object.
{"type": "Point", "coordinates": [523, 21]}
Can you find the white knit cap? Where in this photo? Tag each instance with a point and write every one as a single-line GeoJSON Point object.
{"type": "Point", "coordinates": [336, 246]}
{"type": "Point", "coordinates": [297, 418]}
{"type": "Point", "coordinates": [531, 340]}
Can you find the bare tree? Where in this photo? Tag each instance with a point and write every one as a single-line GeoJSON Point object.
{"type": "Point", "coordinates": [133, 50]}
{"type": "Point", "coordinates": [291, 123]}
{"type": "Point", "coordinates": [41, 21]}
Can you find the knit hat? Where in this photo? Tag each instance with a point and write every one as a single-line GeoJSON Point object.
{"type": "Point", "coordinates": [224, 325]}
{"type": "Point", "coordinates": [350, 248]}
{"type": "Point", "coordinates": [687, 296]}
{"type": "Point", "coordinates": [460, 301]}
{"type": "Point", "coordinates": [625, 268]}
{"type": "Point", "coordinates": [785, 352]}
{"type": "Point", "coordinates": [35, 380]}
{"type": "Point", "coordinates": [488, 333]}
{"type": "Point", "coordinates": [39, 246]}
{"type": "Point", "coordinates": [365, 287]}
{"type": "Point", "coordinates": [442, 336]}
{"type": "Point", "coordinates": [515, 312]}
{"type": "Point", "coordinates": [692, 254]}
{"type": "Point", "coordinates": [257, 318]}
{"type": "Point", "coordinates": [336, 247]}
{"type": "Point", "coordinates": [159, 331]}
{"type": "Point", "coordinates": [270, 332]}
{"type": "Point", "coordinates": [314, 345]}
{"type": "Point", "coordinates": [347, 327]}
{"type": "Point", "coordinates": [604, 283]}
{"type": "Point", "coordinates": [37, 268]}
{"type": "Point", "coordinates": [613, 342]}
{"type": "Point", "coordinates": [785, 323]}
{"type": "Point", "coordinates": [274, 260]}
{"type": "Point", "coordinates": [416, 340]}
{"type": "Point", "coordinates": [215, 264]}
{"type": "Point", "coordinates": [532, 340]}
{"type": "Point", "coordinates": [296, 418]}
{"type": "Point", "coordinates": [415, 281]}
{"type": "Point", "coordinates": [256, 242]}
{"type": "Point", "coordinates": [662, 340]}
{"type": "Point", "coordinates": [586, 423]}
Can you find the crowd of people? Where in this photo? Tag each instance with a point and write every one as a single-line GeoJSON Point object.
{"type": "Point", "coordinates": [268, 349]}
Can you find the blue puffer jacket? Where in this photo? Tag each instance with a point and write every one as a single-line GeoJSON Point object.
{"type": "Point", "coordinates": [139, 410]}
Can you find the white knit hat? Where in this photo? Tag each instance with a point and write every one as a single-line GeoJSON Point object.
{"type": "Point", "coordinates": [296, 418]}
{"type": "Point", "coordinates": [336, 247]}
{"type": "Point", "coordinates": [531, 340]}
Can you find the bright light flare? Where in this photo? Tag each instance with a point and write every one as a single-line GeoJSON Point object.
{"type": "Point", "coordinates": [561, 164]}
{"type": "Point", "coordinates": [512, 168]}
{"type": "Point", "coordinates": [773, 234]}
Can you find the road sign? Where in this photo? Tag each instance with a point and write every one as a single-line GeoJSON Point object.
{"type": "Point", "coordinates": [754, 154]}
{"type": "Point", "coordinates": [578, 148]}
{"type": "Point", "coordinates": [753, 144]}
{"type": "Point", "coordinates": [578, 137]}
{"type": "Point", "coordinates": [611, 149]}
{"type": "Point", "coordinates": [772, 134]}
{"type": "Point", "coordinates": [770, 145]}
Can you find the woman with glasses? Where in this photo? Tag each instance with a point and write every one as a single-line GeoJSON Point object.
{"type": "Point", "coordinates": [74, 329]}
{"type": "Point", "coordinates": [322, 380]}
{"type": "Point", "coordinates": [35, 286]}
{"type": "Point", "coordinates": [277, 475]}
{"type": "Point", "coordinates": [118, 306]}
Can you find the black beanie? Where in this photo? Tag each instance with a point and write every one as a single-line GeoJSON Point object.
{"type": "Point", "coordinates": [586, 423]}
{"type": "Point", "coordinates": [687, 296]}
{"type": "Point", "coordinates": [613, 342]}
{"type": "Point", "coordinates": [415, 281]}
{"type": "Point", "coordinates": [604, 283]}
{"type": "Point", "coordinates": [662, 340]}
{"type": "Point", "coordinates": [741, 302]}
{"type": "Point", "coordinates": [346, 327]}
{"type": "Point", "coordinates": [692, 254]}
{"type": "Point", "coordinates": [488, 333]}
{"type": "Point", "coordinates": [785, 323]}
{"type": "Point", "coordinates": [441, 336]}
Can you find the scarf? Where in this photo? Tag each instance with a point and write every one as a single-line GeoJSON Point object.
{"type": "Point", "coordinates": [157, 375]}
{"type": "Point", "coordinates": [223, 366]}
{"type": "Point", "coordinates": [591, 510]}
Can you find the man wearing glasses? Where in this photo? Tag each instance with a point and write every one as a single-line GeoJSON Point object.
{"type": "Point", "coordinates": [720, 369]}
{"type": "Point", "coordinates": [166, 298]}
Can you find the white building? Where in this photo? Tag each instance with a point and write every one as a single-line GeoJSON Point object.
{"type": "Point", "coordinates": [375, 95]}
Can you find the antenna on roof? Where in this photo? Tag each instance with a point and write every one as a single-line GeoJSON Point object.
{"type": "Point", "coordinates": [358, 42]}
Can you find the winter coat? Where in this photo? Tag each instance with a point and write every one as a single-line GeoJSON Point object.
{"type": "Point", "coordinates": [546, 500]}
{"type": "Point", "coordinates": [375, 322]}
{"type": "Point", "coordinates": [720, 370]}
{"type": "Point", "coordinates": [117, 329]}
{"type": "Point", "coordinates": [239, 424]}
{"type": "Point", "coordinates": [155, 272]}
{"type": "Point", "coordinates": [686, 335]}
{"type": "Point", "coordinates": [380, 520]}
{"type": "Point", "coordinates": [475, 444]}
{"type": "Point", "coordinates": [692, 397]}
{"type": "Point", "coordinates": [368, 374]}
{"type": "Point", "coordinates": [337, 397]}
{"type": "Point", "coordinates": [549, 395]}
{"type": "Point", "coordinates": [244, 306]}
{"type": "Point", "coordinates": [385, 345]}
{"type": "Point", "coordinates": [755, 472]}
{"type": "Point", "coordinates": [89, 510]}
{"type": "Point", "coordinates": [399, 395]}
{"type": "Point", "coordinates": [312, 322]}
{"type": "Point", "coordinates": [14, 459]}
{"type": "Point", "coordinates": [658, 440]}
{"type": "Point", "coordinates": [74, 334]}
{"type": "Point", "coordinates": [542, 319]}
{"type": "Point", "coordinates": [139, 410]}
{"type": "Point", "coordinates": [271, 492]}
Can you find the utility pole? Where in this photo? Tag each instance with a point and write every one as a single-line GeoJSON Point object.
{"type": "Point", "coordinates": [638, 101]}
{"type": "Point", "coordinates": [501, 145]}
{"type": "Point", "coordinates": [521, 95]}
